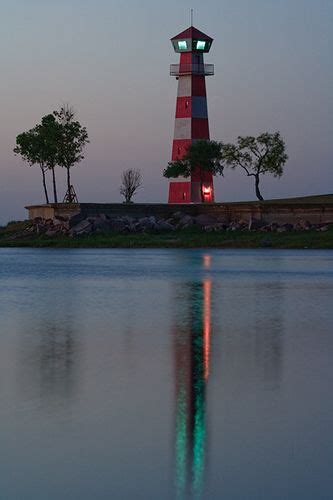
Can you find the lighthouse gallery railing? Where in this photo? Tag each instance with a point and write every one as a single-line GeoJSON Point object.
{"type": "Point", "coordinates": [192, 69]}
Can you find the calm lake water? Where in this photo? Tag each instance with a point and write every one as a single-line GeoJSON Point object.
{"type": "Point", "coordinates": [162, 374]}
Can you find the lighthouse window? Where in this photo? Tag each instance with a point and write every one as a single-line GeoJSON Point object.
{"type": "Point", "coordinates": [182, 45]}
{"type": "Point", "coordinates": [201, 45]}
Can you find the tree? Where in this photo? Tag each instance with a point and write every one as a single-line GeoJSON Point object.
{"type": "Point", "coordinates": [73, 139]}
{"type": "Point", "coordinates": [201, 156]}
{"type": "Point", "coordinates": [28, 147]}
{"type": "Point", "coordinates": [256, 156]}
{"type": "Point", "coordinates": [39, 146]}
{"type": "Point", "coordinates": [131, 180]}
{"type": "Point", "coordinates": [49, 133]}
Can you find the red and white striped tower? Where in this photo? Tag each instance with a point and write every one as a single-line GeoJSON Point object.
{"type": "Point", "coordinates": [191, 121]}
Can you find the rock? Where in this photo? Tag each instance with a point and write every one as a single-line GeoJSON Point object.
{"type": "Point", "coordinates": [164, 225]}
{"type": "Point", "coordinates": [37, 220]}
{"type": "Point", "coordinates": [118, 224]}
{"type": "Point", "coordinates": [287, 227]}
{"type": "Point", "coordinates": [178, 215]}
{"type": "Point", "coordinates": [215, 227]}
{"type": "Point", "coordinates": [234, 226]}
{"type": "Point", "coordinates": [185, 221]}
{"type": "Point", "coordinates": [146, 224]}
{"type": "Point", "coordinates": [204, 220]}
{"type": "Point", "coordinates": [59, 219]}
{"type": "Point", "coordinates": [51, 232]}
{"type": "Point", "coordinates": [83, 227]}
{"type": "Point", "coordinates": [101, 226]}
{"type": "Point", "coordinates": [266, 229]}
{"type": "Point", "coordinates": [73, 221]}
{"type": "Point", "coordinates": [274, 226]}
{"type": "Point", "coordinates": [303, 225]}
{"type": "Point", "coordinates": [255, 224]}
{"type": "Point", "coordinates": [323, 228]}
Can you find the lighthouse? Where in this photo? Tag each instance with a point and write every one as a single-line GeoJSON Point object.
{"type": "Point", "coordinates": [191, 121]}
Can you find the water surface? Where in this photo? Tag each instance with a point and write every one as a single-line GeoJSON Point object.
{"type": "Point", "coordinates": [161, 374]}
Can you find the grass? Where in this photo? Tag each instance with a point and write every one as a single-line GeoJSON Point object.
{"type": "Point", "coordinates": [187, 238]}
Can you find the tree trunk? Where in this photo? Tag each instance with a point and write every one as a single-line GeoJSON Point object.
{"type": "Point", "coordinates": [44, 185]}
{"type": "Point", "coordinates": [54, 186]}
{"type": "Point", "coordinates": [201, 188]}
{"type": "Point", "coordinates": [258, 193]}
{"type": "Point", "coordinates": [69, 185]}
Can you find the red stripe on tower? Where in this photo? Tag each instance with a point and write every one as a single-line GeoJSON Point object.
{"type": "Point", "coordinates": [191, 121]}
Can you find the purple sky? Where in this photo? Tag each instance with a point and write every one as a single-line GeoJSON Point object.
{"type": "Point", "coordinates": [110, 60]}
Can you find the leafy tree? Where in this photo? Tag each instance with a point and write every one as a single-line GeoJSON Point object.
{"type": "Point", "coordinates": [201, 156]}
{"type": "Point", "coordinates": [57, 140]}
{"type": "Point", "coordinates": [131, 180]}
{"type": "Point", "coordinates": [256, 156]}
{"type": "Point", "coordinates": [39, 146]}
{"type": "Point", "coordinates": [49, 133]}
{"type": "Point", "coordinates": [28, 147]}
{"type": "Point", "coordinates": [73, 138]}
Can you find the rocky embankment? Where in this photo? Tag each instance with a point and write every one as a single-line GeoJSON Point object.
{"type": "Point", "coordinates": [101, 223]}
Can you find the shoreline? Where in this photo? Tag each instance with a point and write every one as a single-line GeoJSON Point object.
{"type": "Point", "coordinates": [14, 235]}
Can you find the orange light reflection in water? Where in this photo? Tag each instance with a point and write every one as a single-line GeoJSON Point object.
{"type": "Point", "coordinates": [207, 261]}
{"type": "Point", "coordinates": [207, 325]}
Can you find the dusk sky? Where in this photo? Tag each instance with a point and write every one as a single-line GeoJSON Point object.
{"type": "Point", "coordinates": [110, 60]}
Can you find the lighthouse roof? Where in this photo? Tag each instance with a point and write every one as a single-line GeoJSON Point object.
{"type": "Point", "coordinates": [192, 32]}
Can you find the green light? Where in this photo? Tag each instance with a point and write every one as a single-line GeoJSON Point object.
{"type": "Point", "coordinates": [201, 45]}
{"type": "Point", "coordinates": [182, 45]}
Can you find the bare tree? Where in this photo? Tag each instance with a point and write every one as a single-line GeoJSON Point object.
{"type": "Point", "coordinates": [131, 180]}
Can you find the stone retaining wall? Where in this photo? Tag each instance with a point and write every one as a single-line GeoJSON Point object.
{"type": "Point", "coordinates": [268, 212]}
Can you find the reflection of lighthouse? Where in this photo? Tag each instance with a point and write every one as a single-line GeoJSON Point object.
{"type": "Point", "coordinates": [191, 121]}
{"type": "Point", "coordinates": [192, 348]}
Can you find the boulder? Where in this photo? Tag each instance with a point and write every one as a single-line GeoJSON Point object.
{"type": "Point", "coordinates": [204, 220]}
{"type": "Point", "coordinates": [118, 224]}
{"type": "Point", "coordinates": [274, 226]}
{"type": "Point", "coordinates": [83, 227]}
{"type": "Point", "coordinates": [303, 225]}
{"type": "Point", "coordinates": [146, 224]}
{"type": "Point", "coordinates": [51, 232]}
{"type": "Point", "coordinates": [287, 227]}
{"type": "Point", "coordinates": [60, 218]}
{"type": "Point", "coordinates": [177, 215]}
{"type": "Point", "coordinates": [215, 227]}
{"type": "Point", "coordinates": [185, 221]}
{"type": "Point", "coordinates": [163, 225]}
{"type": "Point", "coordinates": [255, 224]}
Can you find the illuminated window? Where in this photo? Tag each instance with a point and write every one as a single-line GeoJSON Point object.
{"type": "Point", "coordinates": [201, 45]}
{"type": "Point", "coordinates": [182, 45]}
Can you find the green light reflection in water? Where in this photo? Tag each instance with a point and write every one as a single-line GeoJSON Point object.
{"type": "Point", "coordinates": [191, 401]}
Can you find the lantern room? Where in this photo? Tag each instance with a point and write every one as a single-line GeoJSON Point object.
{"type": "Point", "coordinates": [191, 40]}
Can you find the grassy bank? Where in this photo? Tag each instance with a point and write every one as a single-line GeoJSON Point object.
{"type": "Point", "coordinates": [12, 236]}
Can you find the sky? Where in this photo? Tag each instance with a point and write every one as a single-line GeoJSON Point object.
{"type": "Point", "coordinates": [110, 60]}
